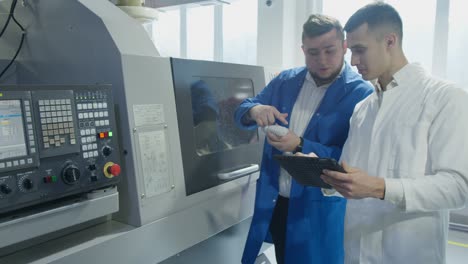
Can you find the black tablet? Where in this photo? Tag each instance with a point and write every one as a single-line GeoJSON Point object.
{"type": "Point", "coordinates": [307, 170]}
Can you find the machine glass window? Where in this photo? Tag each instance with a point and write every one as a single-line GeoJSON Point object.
{"type": "Point", "coordinates": [214, 101]}
{"type": "Point", "coordinates": [12, 140]}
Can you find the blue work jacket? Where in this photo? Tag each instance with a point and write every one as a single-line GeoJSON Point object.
{"type": "Point", "coordinates": [314, 223]}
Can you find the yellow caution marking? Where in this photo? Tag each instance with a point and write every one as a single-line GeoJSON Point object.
{"type": "Point", "coordinates": [458, 244]}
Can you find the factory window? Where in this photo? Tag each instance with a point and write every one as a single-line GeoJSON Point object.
{"type": "Point", "coordinates": [418, 38]}
{"type": "Point", "coordinates": [457, 42]}
{"type": "Point", "coordinates": [240, 32]}
{"type": "Point", "coordinates": [209, 32]}
{"type": "Point", "coordinates": [418, 33]}
{"type": "Point", "coordinates": [200, 32]}
{"type": "Point", "coordinates": [166, 33]}
{"type": "Point", "coordinates": [342, 10]}
{"type": "Point", "coordinates": [418, 29]}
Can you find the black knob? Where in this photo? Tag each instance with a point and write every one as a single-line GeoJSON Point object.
{"type": "Point", "coordinates": [106, 151]}
{"type": "Point", "coordinates": [71, 174]}
{"type": "Point", "coordinates": [27, 184]}
{"type": "Point", "coordinates": [5, 189]}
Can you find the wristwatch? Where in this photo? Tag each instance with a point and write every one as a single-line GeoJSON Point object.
{"type": "Point", "coordinates": [299, 147]}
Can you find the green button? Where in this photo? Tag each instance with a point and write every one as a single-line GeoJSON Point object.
{"type": "Point", "coordinates": [54, 178]}
{"type": "Point", "coordinates": [110, 133]}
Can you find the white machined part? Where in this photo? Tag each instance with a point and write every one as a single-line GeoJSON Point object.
{"type": "Point", "coordinates": [276, 129]}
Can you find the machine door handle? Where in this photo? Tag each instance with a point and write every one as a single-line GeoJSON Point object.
{"type": "Point", "coordinates": [238, 173]}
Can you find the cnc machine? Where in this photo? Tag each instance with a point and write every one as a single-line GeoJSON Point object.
{"type": "Point", "coordinates": [176, 189]}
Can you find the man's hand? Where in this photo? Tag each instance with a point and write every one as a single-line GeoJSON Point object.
{"type": "Point", "coordinates": [286, 143]}
{"type": "Point", "coordinates": [355, 184]}
{"type": "Point", "coordinates": [265, 115]}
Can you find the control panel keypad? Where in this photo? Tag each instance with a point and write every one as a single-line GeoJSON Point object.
{"type": "Point", "coordinates": [56, 122]}
{"type": "Point", "coordinates": [93, 120]}
{"type": "Point", "coordinates": [29, 126]}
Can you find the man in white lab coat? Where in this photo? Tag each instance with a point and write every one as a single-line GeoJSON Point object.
{"type": "Point", "coordinates": [406, 153]}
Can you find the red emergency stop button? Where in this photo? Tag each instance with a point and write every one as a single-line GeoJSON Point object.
{"type": "Point", "coordinates": [112, 170]}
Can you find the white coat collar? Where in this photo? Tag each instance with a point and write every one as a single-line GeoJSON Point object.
{"type": "Point", "coordinates": [410, 71]}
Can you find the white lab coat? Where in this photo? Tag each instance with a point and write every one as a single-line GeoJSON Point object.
{"type": "Point", "coordinates": [417, 140]}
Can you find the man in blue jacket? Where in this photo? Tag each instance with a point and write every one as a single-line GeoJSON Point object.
{"type": "Point", "coordinates": [315, 103]}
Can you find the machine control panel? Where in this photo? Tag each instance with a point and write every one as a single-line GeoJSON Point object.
{"type": "Point", "coordinates": [55, 141]}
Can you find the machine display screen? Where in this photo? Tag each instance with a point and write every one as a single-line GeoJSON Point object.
{"type": "Point", "coordinates": [12, 139]}
{"type": "Point", "coordinates": [214, 101]}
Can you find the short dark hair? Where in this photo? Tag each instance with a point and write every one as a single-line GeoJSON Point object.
{"type": "Point", "coordinates": [375, 15]}
{"type": "Point", "coordinates": [317, 25]}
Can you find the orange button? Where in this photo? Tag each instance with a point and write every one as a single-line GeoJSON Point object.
{"type": "Point", "coordinates": [101, 135]}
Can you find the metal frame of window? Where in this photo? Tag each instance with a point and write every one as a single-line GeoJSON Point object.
{"type": "Point", "coordinates": [183, 32]}
{"type": "Point", "coordinates": [218, 33]}
{"type": "Point", "coordinates": [441, 30]}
